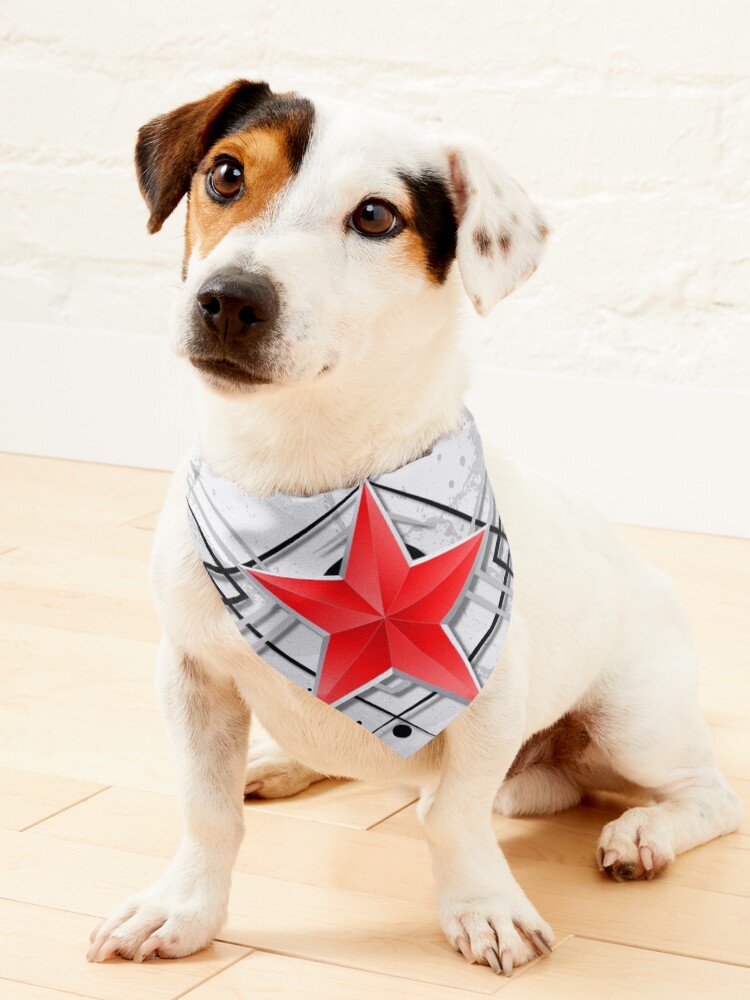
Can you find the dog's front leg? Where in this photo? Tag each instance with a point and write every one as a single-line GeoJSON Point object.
{"type": "Point", "coordinates": [483, 910]}
{"type": "Point", "coordinates": [184, 909]}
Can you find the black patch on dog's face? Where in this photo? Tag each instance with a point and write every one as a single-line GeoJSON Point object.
{"type": "Point", "coordinates": [434, 219]}
{"type": "Point", "coordinates": [248, 99]}
{"type": "Point", "coordinates": [288, 113]}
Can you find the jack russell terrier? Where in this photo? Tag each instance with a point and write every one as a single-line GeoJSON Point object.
{"type": "Point", "coordinates": [319, 309]}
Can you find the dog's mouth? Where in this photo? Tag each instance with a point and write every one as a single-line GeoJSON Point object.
{"type": "Point", "coordinates": [226, 371]}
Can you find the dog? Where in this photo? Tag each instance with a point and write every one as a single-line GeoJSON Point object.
{"type": "Point", "coordinates": [326, 246]}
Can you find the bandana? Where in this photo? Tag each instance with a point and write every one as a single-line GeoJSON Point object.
{"type": "Point", "coordinates": [390, 601]}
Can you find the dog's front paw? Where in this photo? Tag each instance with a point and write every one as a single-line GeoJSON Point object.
{"type": "Point", "coordinates": [272, 774]}
{"type": "Point", "coordinates": [497, 931]}
{"type": "Point", "coordinates": [155, 924]}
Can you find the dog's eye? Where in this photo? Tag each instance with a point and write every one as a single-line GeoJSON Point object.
{"type": "Point", "coordinates": [224, 182]}
{"type": "Point", "coordinates": [374, 217]}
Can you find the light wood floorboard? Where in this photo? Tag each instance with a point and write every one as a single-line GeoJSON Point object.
{"type": "Point", "coordinates": [581, 969]}
{"type": "Point", "coordinates": [28, 798]}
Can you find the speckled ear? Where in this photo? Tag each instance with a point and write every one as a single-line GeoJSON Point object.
{"type": "Point", "coordinates": [501, 234]}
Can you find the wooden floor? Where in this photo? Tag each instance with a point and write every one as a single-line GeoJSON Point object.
{"type": "Point", "coordinates": [332, 895]}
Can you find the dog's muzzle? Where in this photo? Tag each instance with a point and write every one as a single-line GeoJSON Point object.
{"type": "Point", "coordinates": [233, 314]}
{"type": "Point", "coordinates": [235, 309]}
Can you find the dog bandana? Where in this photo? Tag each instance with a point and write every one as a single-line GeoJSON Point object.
{"type": "Point", "coordinates": [389, 601]}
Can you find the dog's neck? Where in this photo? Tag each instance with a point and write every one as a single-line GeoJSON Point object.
{"type": "Point", "coordinates": [339, 429]}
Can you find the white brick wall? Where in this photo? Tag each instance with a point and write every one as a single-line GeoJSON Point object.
{"type": "Point", "coordinates": [628, 121]}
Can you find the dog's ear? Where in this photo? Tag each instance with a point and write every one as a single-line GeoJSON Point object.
{"type": "Point", "coordinates": [500, 232]}
{"type": "Point", "coordinates": [170, 147]}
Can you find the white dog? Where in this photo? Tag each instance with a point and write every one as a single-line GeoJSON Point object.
{"type": "Point", "coordinates": [319, 308]}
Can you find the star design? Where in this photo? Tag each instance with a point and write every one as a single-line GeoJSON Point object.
{"type": "Point", "coordinates": [386, 613]}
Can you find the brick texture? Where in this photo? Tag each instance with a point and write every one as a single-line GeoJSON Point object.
{"type": "Point", "coordinates": [629, 123]}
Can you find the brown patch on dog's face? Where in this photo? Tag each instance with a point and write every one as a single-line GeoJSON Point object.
{"type": "Point", "coordinates": [263, 154]}
{"type": "Point", "coordinates": [172, 149]}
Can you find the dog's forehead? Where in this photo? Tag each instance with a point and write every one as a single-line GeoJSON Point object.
{"type": "Point", "coordinates": [310, 160]}
{"type": "Point", "coordinates": [364, 135]}
{"type": "Point", "coordinates": [353, 151]}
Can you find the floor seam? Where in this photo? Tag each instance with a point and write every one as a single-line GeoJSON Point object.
{"type": "Point", "coordinates": [358, 968]}
{"type": "Point", "coordinates": [71, 805]}
{"type": "Point", "coordinates": [219, 972]}
{"type": "Point", "coordinates": [395, 812]}
{"type": "Point", "coordinates": [665, 951]}
{"type": "Point", "coordinates": [55, 989]}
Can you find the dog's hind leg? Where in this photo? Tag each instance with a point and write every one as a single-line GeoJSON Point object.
{"type": "Point", "coordinates": [652, 733]}
{"type": "Point", "coordinates": [272, 774]}
{"type": "Point", "coordinates": [541, 780]}
{"type": "Point", "coordinates": [540, 790]}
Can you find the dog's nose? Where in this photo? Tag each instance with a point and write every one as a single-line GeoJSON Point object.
{"type": "Point", "coordinates": [233, 304]}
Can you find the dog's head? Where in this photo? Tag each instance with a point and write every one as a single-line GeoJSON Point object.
{"type": "Point", "coordinates": [312, 226]}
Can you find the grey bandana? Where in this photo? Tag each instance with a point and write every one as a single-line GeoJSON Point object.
{"type": "Point", "coordinates": [390, 601]}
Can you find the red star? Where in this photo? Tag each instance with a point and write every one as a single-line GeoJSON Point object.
{"type": "Point", "coordinates": [386, 612]}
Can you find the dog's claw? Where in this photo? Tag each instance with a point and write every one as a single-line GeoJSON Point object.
{"type": "Point", "coordinates": [463, 947]}
{"type": "Point", "coordinates": [253, 786]}
{"type": "Point", "coordinates": [94, 949]}
{"type": "Point", "coordinates": [647, 860]}
{"type": "Point", "coordinates": [600, 858]}
{"type": "Point", "coordinates": [95, 933]}
{"type": "Point", "coordinates": [541, 943]}
{"type": "Point", "coordinates": [493, 961]}
{"type": "Point", "coordinates": [107, 950]}
{"type": "Point", "coordinates": [149, 949]}
{"type": "Point", "coordinates": [506, 963]}
{"type": "Point", "coordinates": [609, 858]}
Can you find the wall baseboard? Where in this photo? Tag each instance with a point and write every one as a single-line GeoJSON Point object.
{"type": "Point", "coordinates": [650, 454]}
{"type": "Point", "coordinates": [123, 399]}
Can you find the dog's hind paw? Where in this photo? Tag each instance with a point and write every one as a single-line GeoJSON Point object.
{"type": "Point", "coordinates": [636, 845]}
{"type": "Point", "coordinates": [272, 774]}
